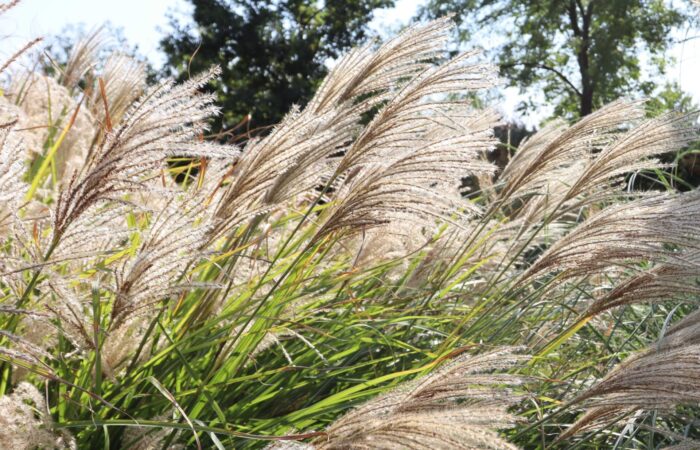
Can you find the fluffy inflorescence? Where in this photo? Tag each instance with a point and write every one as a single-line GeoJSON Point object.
{"type": "Point", "coordinates": [457, 406]}
{"type": "Point", "coordinates": [665, 375]}
{"type": "Point", "coordinates": [166, 122]}
{"type": "Point", "coordinates": [11, 169]}
{"type": "Point", "coordinates": [25, 423]}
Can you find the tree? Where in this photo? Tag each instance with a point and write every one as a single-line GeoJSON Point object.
{"type": "Point", "coordinates": [272, 53]}
{"type": "Point", "coordinates": [582, 53]}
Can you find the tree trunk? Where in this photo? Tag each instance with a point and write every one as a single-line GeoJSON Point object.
{"type": "Point", "coordinates": [582, 32]}
{"type": "Point", "coordinates": [586, 103]}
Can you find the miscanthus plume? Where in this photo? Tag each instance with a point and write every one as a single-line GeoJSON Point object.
{"type": "Point", "coordinates": [359, 277]}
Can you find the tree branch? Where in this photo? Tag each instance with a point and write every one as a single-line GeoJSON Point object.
{"type": "Point", "coordinates": [589, 10]}
{"type": "Point", "coordinates": [573, 18]}
{"type": "Point", "coordinates": [557, 72]}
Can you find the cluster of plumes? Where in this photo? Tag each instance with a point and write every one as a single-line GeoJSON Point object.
{"type": "Point", "coordinates": [410, 157]}
{"type": "Point", "coordinates": [407, 190]}
{"type": "Point", "coordinates": [12, 151]}
{"type": "Point", "coordinates": [11, 170]}
{"type": "Point", "coordinates": [25, 422]}
{"type": "Point", "coordinates": [388, 188]}
{"type": "Point", "coordinates": [109, 139]}
{"type": "Point", "coordinates": [299, 152]}
{"type": "Point", "coordinates": [151, 272]}
{"type": "Point", "coordinates": [646, 229]}
{"type": "Point", "coordinates": [565, 173]}
{"type": "Point", "coordinates": [676, 279]}
{"type": "Point", "coordinates": [459, 406]}
{"type": "Point", "coordinates": [566, 196]}
{"type": "Point", "coordinates": [167, 247]}
{"type": "Point", "coordinates": [167, 121]}
{"type": "Point", "coordinates": [405, 165]}
{"type": "Point", "coordinates": [44, 106]}
{"type": "Point", "coordinates": [388, 184]}
{"type": "Point", "coordinates": [642, 249]}
{"type": "Point", "coordinates": [107, 201]}
{"type": "Point", "coordinates": [561, 168]}
{"type": "Point", "coordinates": [557, 147]}
{"type": "Point", "coordinates": [665, 375]}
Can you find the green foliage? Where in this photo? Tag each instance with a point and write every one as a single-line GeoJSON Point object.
{"type": "Point", "coordinates": [273, 53]}
{"type": "Point", "coordinates": [582, 54]}
{"type": "Point", "coordinates": [670, 98]}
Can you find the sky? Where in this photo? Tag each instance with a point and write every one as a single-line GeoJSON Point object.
{"type": "Point", "coordinates": [142, 22]}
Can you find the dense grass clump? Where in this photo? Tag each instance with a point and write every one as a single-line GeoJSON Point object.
{"type": "Point", "coordinates": [329, 285]}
